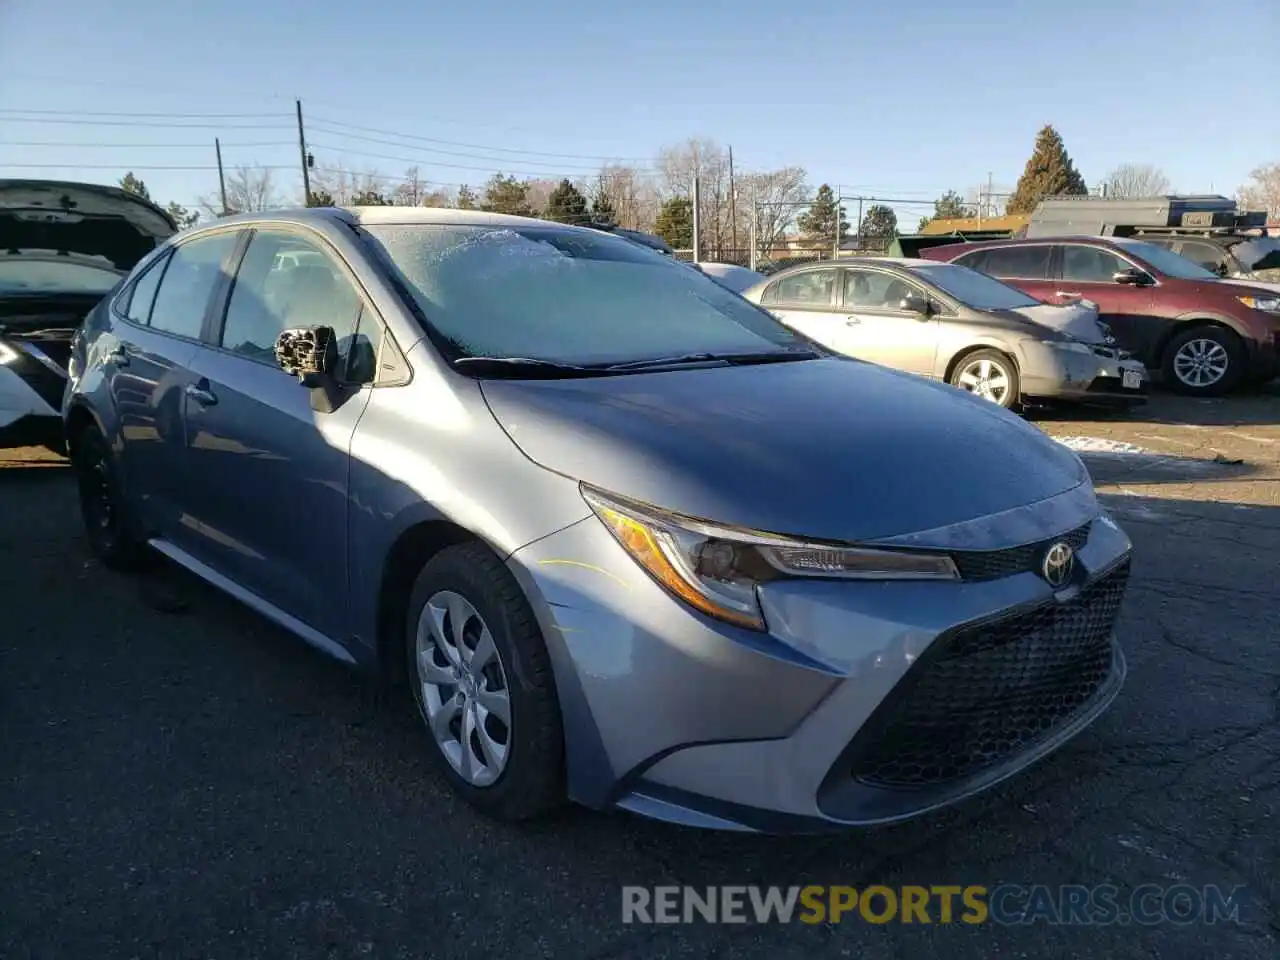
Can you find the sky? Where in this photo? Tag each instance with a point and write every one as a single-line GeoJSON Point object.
{"type": "Point", "coordinates": [894, 100]}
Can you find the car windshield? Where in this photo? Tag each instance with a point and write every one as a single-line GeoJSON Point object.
{"type": "Point", "coordinates": [568, 295]}
{"type": "Point", "coordinates": [24, 275]}
{"type": "Point", "coordinates": [972, 288]}
{"type": "Point", "coordinates": [1166, 261]}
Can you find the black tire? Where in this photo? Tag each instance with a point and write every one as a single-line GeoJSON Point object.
{"type": "Point", "coordinates": [1013, 398]}
{"type": "Point", "coordinates": [532, 782]}
{"type": "Point", "coordinates": [1224, 339]}
{"type": "Point", "coordinates": [108, 523]}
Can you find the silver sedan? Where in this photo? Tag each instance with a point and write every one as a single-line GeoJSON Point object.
{"type": "Point", "coordinates": [950, 323]}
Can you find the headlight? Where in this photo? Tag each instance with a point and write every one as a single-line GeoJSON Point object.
{"type": "Point", "coordinates": [1267, 304]}
{"type": "Point", "coordinates": [7, 353]}
{"type": "Point", "coordinates": [1071, 346]}
{"type": "Point", "coordinates": [716, 569]}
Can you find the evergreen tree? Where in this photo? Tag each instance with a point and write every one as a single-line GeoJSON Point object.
{"type": "Point", "coordinates": [504, 194]}
{"type": "Point", "coordinates": [818, 223]}
{"type": "Point", "coordinates": [949, 206]}
{"type": "Point", "coordinates": [320, 198]}
{"type": "Point", "coordinates": [131, 184]}
{"type": "Point", "coordinates": [467, 199]}
{"type": "Point", "coordinates": [879, 221]}
{"type": "Point", "coordinates": [1049, 173]}
{"type": "Point", "coordinates": [369, 198]}
{"type": "Point", "coordinates": [674, 223]}
{"type": "Point", "coordinates": [602, 213]}
{"type": "Point", "coordinates": [182, 216]}
{"type": "Point", "coordinates": [567, 205]}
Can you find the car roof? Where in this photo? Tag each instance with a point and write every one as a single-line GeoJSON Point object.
{"type": "Point", "coordinates": [391, 214]}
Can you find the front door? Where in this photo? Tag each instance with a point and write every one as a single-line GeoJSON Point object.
{"type": "Point", "coordinates": [879, 330]}
{"type": "Point", "coordinates": [270, 474]}
{"type": "Point", "coordinates": [156, 327]}
{"type": "Point", "coordinates": [1088, 272]}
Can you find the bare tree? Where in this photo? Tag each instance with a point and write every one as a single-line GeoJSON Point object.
{"type": "Point", "coordinates": [632, 193]}
{"type": "Point", "coordinates": [1131, 180]}
{"type": "Point", "coordinates": [410, 191]}
{"type": "Point", "coordinates": [249, 190]}
{"type": "Point", "coordinates": [539, 193]}
{"type": "Point", "coordinates": [345, 185]}
{"type": "Point", "coordinates": [1263, 190]}
{"type": "Point", "coordinates": [709, 163]}
{"type": "Point", "coordinates": [779, 196]}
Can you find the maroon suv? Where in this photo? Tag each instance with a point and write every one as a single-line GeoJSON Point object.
{"type": "Point", "coordinates": [1205, 334]}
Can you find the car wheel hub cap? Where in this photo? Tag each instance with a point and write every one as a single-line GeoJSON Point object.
{"type": "Point", "coordinates": [987, 379]}
{"type": "Point", "coordinates": [1200, 363]}
{"type": "Point", "coordinates": [464, 688]}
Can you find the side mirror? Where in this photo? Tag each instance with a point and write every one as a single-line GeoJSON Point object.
{"type": "Point", "coordinates": [311, 355]}
{"type": "Point", "coordinates": [1221, 270]}
{"type": "Point", "coordinates": [914, 304]}
{"type": "Point", "coordinates": [308, 353]}
{"type": "Point", "coordinates": [1131, 277]}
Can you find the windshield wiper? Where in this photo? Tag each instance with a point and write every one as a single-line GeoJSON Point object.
{"type": "Point", "coordinates": [729, 359]}
{"type": "Point", "coordinates": [523, 367]}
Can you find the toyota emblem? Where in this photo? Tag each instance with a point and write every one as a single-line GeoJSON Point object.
{"type": "Point", "coordinates": [1059, 560]}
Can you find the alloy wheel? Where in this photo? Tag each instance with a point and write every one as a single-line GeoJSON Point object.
{"type": "Point", "coordinates": [1201, 362]}
{"type": "Point", "coordinates": [95, 494]}
{"type": "Point", "coordinates": [464, 688]}
{"type": "Point", "coordinates": [986, 378]}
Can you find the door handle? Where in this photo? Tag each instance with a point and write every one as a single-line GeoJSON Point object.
{"type": "Point", "coordinates": [205, 398]}
{"type": "Point", "coordinates": [1069, 293]}
{"type": "Point", "coordinates": [852, 321]}
{"type": "Point", "coordinates": [119, 356]}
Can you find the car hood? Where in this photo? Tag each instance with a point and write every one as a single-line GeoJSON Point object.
{"type": "Point", "coordinates": [834, 448]}
{"type": "Point", "coordinates": [81, 218]}
{"type": "Point", "coordinates": [1257, 285]}
{"type": "Point", "coordinates": [1078, 320]}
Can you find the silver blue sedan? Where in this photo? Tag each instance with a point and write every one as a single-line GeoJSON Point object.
{"type": "Point", "coordinates": [627, 539]}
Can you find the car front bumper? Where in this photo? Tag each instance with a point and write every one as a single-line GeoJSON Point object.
{"type": "Point", "coordinates": [865, 703]}
{"type": "Point", "coordinates": [1105, 375]}
{"type": "Point", "coordinates": [30, 396]}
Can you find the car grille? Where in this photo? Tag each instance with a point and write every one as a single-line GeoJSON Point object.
{"type": "Point", "coordinates": [993, 564]}
{"type": "Point", "coordinates": [991, 690]}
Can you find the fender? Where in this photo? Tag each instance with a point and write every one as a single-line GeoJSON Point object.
{"type": "Point", "coordinates": [1180, 322]}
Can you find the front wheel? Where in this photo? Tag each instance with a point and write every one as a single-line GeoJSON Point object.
{"type": "Point", "coordinates": [481, 678]}
{"type": "Point", "coordinates": [988, 374]}
{"type": "Point", "coordinates": [1204, 361]}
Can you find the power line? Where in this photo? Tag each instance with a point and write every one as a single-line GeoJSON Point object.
{"type": "Point", "coordinates": [448, 153]}
{"type": "Point", "coordinates": [537, 174]}
{"type": "Point", "coordinates": [477, 146]}
{"type": "Point", "coordinates": [127, 113]}
{"type": "Point", "coordinates": [133, 146]}
{"type": "Point", "coordinates": [125, 166]}
{"type": "Point", "coordinates": [140, 123]}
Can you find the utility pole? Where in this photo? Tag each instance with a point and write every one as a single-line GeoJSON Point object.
{"type": "Point", "coordinates": [222, 180]}
{"type": "Point", "coordinates": [984, 200]}
{"type": "Point", "coordinates": [859, 224]}
{"type": "Point", "coordinates": [733, 205]}
{"type": "Point", "coordinates": [302, 150]}
{"type": "Point", "coordinates": [755, 213]}
{"type": "Point", "coordinates": [697, 221]}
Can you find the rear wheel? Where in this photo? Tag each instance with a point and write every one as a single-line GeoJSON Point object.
{"type": "Point", "coordinates": [1204, 361]}
{"type": "Point", "coordinates": [108, 524]}
{"type": "Point", "coordinates": [481, 678]}
{"type": "Point", "coordinates": [988, 374]}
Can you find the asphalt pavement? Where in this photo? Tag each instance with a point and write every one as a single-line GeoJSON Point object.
{"type": "Point", "coordinates": [180, 779]}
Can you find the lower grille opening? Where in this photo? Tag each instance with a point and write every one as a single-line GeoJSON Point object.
{"type": "Point", "coordinates": [987, 692]}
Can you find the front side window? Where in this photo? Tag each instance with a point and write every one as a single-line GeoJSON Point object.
{"type": "Point", "coordinates": [1165, 261]}
{"type": "Point", "coordinates": [1090, 264]}
{"type": "Point", "coordinates": [876, 290]}
{"type": "Point", "coordinates": [189, 280]}
{"type": "Point", "coordinates": [285, 281]}
{"type": "Point", "coordinates": [565, 295]}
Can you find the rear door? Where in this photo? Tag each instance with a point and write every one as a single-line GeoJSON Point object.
{"type": "Point", "coordinates": [878, 329]}
{"type": "Point", "coordinates": [807, 301]}
{"type": "Point", "coordinates": [1027, 266]}
{"type": "Point", "coordinates": [1087, 272]}
{"type": "Point", "coordinates": [155, 336]}
{"type": "Point", "coordinates": [268, 492]}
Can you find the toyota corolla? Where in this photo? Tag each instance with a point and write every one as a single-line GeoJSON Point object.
{"type": "Point", "coordinates": [630, 541]}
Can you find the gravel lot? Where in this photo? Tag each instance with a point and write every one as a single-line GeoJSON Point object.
{"type": "Point", "coordinates": [181, 779]}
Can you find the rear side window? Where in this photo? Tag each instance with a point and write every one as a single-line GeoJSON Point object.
{"type": "Point", "coordinates": [1018, 263]}
{"type": "Point", "coordinates": [194, 270]}
{"type": "Point", "coordinates": [143, 293]}
{"type": "Point", "coordinates": [813, 288]}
